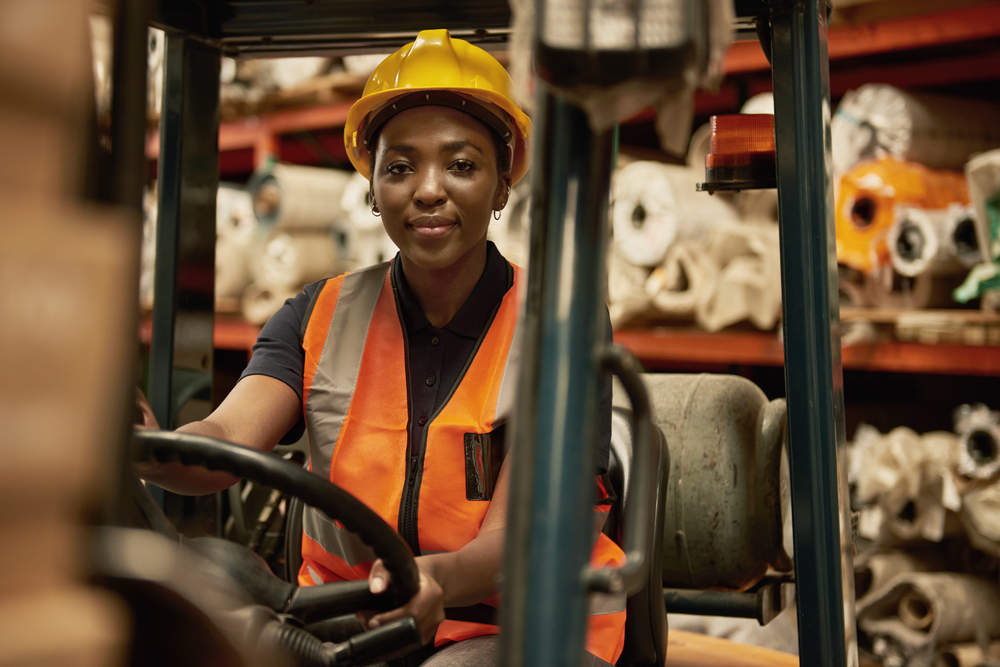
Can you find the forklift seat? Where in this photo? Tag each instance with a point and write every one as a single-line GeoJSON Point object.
{"type": "Point", "coordinates": [646, 616]}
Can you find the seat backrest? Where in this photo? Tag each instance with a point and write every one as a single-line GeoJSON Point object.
{"type": "Point", "coordinates": [646, 617]}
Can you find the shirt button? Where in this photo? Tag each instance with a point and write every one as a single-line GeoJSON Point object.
{"type": "Point", "coordinates": [430, 380]}
{"type": "Point", "coordinates": [422, 420]}
{"type": "Point", "coordinates": [435, 340]}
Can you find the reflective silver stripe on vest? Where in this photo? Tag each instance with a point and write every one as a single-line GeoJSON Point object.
{"type": "Point", "coordinates": [602, 603]}
{"type": "Point", "coordinates": [335, 540]}
{"type": "Point", "coordinates": [506, 400]}
{"type": "Point", "coordinates": [337, 370]}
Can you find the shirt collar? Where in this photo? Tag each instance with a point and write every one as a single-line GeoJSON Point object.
{"type": "Point", "coordinates": [475, 313]}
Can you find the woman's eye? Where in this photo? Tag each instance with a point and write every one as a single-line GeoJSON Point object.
{"type": "Point", "coordinates": [397, 168]}
{"type": "Point", "coordinates": [463, 165]}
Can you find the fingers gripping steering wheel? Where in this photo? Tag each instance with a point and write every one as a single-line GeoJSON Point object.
{"type": "Point", "coordinates": [306, 604]}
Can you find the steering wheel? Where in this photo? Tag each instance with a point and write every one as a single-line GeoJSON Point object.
{"type": "Point", "coordinates": [310, 604]}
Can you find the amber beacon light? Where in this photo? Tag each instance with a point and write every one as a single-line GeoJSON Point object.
{"type": "Point", "coordinates": [741, 154]}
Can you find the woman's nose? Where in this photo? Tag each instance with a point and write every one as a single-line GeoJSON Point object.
{"type": "Point", "coordinates": [430, 187]}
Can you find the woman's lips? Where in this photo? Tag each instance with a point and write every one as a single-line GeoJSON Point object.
{"type": "Point", "coordinates": [431, 229]}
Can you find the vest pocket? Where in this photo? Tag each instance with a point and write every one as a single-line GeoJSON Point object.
{"type": "Point", "coordinates": [483, 457]}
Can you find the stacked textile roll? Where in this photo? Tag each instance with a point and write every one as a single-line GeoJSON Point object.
{"type": "Point", "coordinates": [868, 197]}
{"type": "Point", "coordinates": [933, 241]}
{"type": "Point", "coordinates": [365, 240]}
{"type": "Point", "coordinates": [926, 591]}
{"type": "Point", "coordinates": [679, 253]}
{"type": "Point", "coordinates": [654, 204]}
{"type": "Point", "coordinates": [292, 197]}
{"type": "Point", "coordinates": [936, 131]}
{"type": "Point", "coordinates": [235, 233]}
{"type": "Point", "coordinates": [511, 231]}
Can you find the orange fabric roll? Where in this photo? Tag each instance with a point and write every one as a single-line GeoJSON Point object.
{"type": "Point", "coordinates": [867, 199]}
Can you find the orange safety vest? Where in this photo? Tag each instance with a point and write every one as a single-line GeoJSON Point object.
{"type": "Point", "coordinates": [356, 412]}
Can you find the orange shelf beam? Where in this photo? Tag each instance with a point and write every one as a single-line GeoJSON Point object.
{"type": "Point", "coordinates": [912, 32]}
{"type": "Point", "coordinates": [659, 349]}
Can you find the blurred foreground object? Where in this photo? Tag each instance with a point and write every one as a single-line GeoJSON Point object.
{"type": "Point", "coordinates": [68, 280]}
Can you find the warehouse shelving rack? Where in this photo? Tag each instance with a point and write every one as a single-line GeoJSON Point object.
{"type": "Point", "coordinates": [182, 329]}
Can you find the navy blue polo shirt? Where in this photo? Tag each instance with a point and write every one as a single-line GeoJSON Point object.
{"type": "Point", "coordinates": [436, 357]}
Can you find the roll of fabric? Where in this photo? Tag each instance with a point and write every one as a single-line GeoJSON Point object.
{"type": "Point", "coordinates": [938, 131]}
{"type": "Point", "coordinates": [921, 610]}
{"type": "Point", "coordinates": [357, 204]}
{"type": "Point", "coordinates": [983, 176]}
{"type": "Point", "coordinates": [627, 296]}
{"type": "Point", "coordinates": [866, 205]}
{"type": "Point", "coordinates": [676, 287]}
{"type": "Point", "coordinates": [261, 301]}
{"type": "Point", "coordinates": [876, 570]}
{"type": "Point", "coordinates": [963, 235]}
{"type": "Point", "coordinates": [511, 232]}
{"type": "Point", "coordinates": [981, 518]}
{"type": "Point", "coordinates": [653, 204]}
{"type": "Point", "coordinates": [232, 271]}
{"type": "Point", "coordinates": [372, 246]}
{"type": "Point", "coordinates": [968, 655]}
{"type": "Point", "coordinates": [292, 197]}
{"type": "Point", "coordinates": [922, 241]}
{"type": "Point", "coordinates": [978, 428]}
{"type": "Point", "coordinates": [747, 285]}
{"type": "Point", "coordinates": [293, 260]}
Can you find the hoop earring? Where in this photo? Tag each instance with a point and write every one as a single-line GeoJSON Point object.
{"type": "Point", "coordinates": [496, 214]}
{"type": "Point", "coordinates": [377, 213]}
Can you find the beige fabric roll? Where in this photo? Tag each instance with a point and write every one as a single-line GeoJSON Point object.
{"type": "Point", "coordinates": [876, 570]}
{"type": "Point", "coordinates": [292, 197]}
{"type": "Point", "coordinates": [676, 286]}
{"type": "Point", "coordinates": [357, 205]}
{"type": "Point", "coordinates": [921, 241]}
{"type": "Point", "coordinates": [294, 260]}
{"type": "Point", "coordinates": [261, 301]}
{"type": "Point", "coordinates": [937, 131]}
{"type": "Point", "coordinates": [627, 295]}
{"type": "Point", "coordinates": [748, 283]}
{"type": "Point", "coordinates": [654, 204]}
{"type": "Point", "coordinates": [938, 607]}
{"type": "Point", "coordinates": [968, 655]}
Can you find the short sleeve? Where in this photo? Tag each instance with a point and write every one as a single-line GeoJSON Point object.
{"type": "Point", "coordinates": [278, 351]}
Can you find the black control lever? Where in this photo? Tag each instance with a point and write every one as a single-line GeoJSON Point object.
{"type": "Point", "coordinates": [381, 644]}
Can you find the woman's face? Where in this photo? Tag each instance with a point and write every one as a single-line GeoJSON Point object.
{"type": "Point", "coordinates": [436, 185]}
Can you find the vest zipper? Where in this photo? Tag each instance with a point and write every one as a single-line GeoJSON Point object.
{"type": "Point", "coordinates": [409, 534]}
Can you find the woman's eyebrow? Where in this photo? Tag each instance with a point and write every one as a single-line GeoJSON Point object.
{"type": "Point", "coordinates": [400, 148]}
{"type": "Point", "coordinates": [453, 146]}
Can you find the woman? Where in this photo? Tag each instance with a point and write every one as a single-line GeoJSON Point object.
{"type": "Point", "coordinates": [401, 370]}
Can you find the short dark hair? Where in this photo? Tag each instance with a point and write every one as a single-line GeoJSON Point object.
{"type": "Point", "coordinates": [501, 149]}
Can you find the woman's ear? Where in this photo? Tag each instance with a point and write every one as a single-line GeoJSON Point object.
{"type": "Point", "coordinates": [503, 192]}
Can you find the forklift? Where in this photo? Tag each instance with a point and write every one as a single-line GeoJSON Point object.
{"type": "Point", "coordinates": [213, 599]}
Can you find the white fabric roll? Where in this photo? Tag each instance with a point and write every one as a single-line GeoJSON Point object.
{"type": "Point", "coordinates": [511, 233]}
{"type": "Point", "coordinates": [291, 261]}
{"type": "Point", "coordinates": [357, 205]}
{"type": "Point", "coordinates": [372, 246]}
{"type": "Point", "coordinates": [232, 271]}
{"type": "Point", "coordinates": [762, 103]}
{"type": "Point", "coordinates": [936, 131]}
{"type": "Point", "coordinates": [963, 235]}
{"type": "Point", "coordinates": [983, 176]}
{"type": "Point", "coordinates": [627, 296]}
{"type": "Point", "coordinates": [261, 301]}
{"type": "Point", "coordinates": [748, 283]}
{"type": "Point", "coordinates": [234, 217]}
{"type": "Point", "coordinates": [653, 204]}
{"type": "Point", "coordinates": [920, 242]}
{"type": "Point", "coordinates": [679, 284]}
{"type": "Point", "coordinates": [292, 197]}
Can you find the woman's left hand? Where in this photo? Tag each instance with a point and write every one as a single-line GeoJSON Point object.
{"type": "Point", "coordinates": [427, 606]}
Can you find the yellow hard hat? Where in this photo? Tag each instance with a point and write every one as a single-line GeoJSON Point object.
{"type": "Point", "coordinates": [437, 69]}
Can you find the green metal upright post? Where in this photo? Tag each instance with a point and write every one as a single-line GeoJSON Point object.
{"type": "Point", "coordinates": [549, 534]}
{"type": "Point", "coordinates": [813, 373]}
